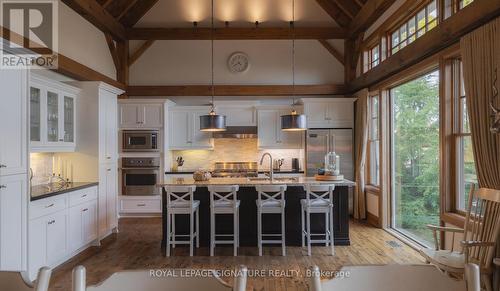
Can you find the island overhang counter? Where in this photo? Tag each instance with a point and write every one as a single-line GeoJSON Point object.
{"type": "Point", "coordinates": [248, 210]}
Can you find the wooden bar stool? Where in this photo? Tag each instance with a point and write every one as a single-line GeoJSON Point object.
{"type": "Point", "coordinates": [180, 201]}
{"type": "Point", "coordinates": [223, 200]}
{"type": "Point", "coordinates": [270, 199]}
{"type": "Point", "coordinates": [319, 199]}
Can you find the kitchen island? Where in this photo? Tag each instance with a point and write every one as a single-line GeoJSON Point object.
{"type": "Point", "coordinates": [248, 210]}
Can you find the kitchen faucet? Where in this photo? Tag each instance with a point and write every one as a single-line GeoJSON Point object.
{"type": "Point", "coordinates": [271, 173]}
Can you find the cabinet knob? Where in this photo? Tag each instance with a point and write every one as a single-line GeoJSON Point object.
{"type": "Point", "coordinates": [86, 209]}
{"type": "Point", "coordinates": [50, 205]}
{"type": "Point", "coordinates": [141, 204]}
{"type": "Point", "coordinates": [84, 195]}
{"type": "Point", "coordinates": [109, 170]}
{"type": "Point", "coordinates": [3, 186]}
{"type": "Point", "coordinates": [3, 166]}
{"type": "Point", "coordinates": [61, 139]}
{"type": "Point", "coordinates": [109, 158]}
{"type": "Point", "coordinates": [52, 221]}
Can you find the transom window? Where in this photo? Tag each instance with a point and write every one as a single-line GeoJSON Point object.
{"type": "Point", "coordinates": [372, 57]}
{"type": "Point", "coordinates": [423, 21]}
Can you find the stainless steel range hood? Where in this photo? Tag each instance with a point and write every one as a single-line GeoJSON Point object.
{"type": "Point", "coordinates": [237, 132]}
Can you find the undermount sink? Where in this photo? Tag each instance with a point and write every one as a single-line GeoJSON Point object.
{"type": "Point", "coordinates": [259, 179]}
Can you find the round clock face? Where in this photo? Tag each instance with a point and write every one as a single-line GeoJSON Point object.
{"type": "Point", "coordinates": [238, 62]}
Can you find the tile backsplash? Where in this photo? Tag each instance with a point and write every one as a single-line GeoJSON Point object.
{"type": "Point", "coordinates": [235, 150]}
{"type": "Point", "coordinates": [44, 165]}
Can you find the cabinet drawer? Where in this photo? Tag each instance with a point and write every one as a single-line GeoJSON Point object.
{"type": "Point", "coordinates": [48, 206]}
{"type": "Point", "coordinates": [140, 205]}
{"type": "Point", "coordinates": [82, 196]}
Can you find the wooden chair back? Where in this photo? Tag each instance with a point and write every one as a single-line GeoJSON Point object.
{"type": "Point", "coordinates": [227, 194]}
{"type": "Point", "coordinates": [482, 225]}
{"type": "Point", "coordinates": [180, 195]}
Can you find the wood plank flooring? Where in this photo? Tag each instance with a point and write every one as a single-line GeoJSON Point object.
{"type": "Point", "coordinates": [137, 246]}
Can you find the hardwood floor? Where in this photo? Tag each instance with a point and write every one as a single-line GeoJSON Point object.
{"type": "Point", "coordinates": [137, 246]}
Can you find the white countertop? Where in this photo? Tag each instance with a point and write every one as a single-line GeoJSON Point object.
{"type": "Point", "coordinates": [245, 182]}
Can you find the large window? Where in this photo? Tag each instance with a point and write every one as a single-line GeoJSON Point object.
{"type": "Point", "coordinates": [466, 171]}
{"type": "Point", "coordinates": [423, 21]}
{"type": "Point", "coordinates": [374, 142]}
{"type": "Point", "coordinates": [415, 157]}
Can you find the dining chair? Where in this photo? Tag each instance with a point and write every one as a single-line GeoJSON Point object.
{"type": "Point", "coordinates": [480, 235]}
{"type": "Point", "coordinates": [18, 281]}
{"type": "Point", "coordinates": [161, 280]}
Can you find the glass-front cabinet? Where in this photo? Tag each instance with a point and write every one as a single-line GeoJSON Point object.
{"type": "Point", "coordinates": [52, 115]}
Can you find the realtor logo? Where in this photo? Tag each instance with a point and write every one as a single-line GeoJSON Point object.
{"type": "Point", "coordinates": [29, 34]}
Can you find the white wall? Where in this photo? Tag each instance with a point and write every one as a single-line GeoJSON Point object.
{"type": "Point", "coordinates": [83, 42]}
{"type": "Point", "coordinates": [188, 63]}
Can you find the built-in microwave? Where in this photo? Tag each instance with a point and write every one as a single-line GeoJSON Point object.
{"type": "Point", "coordinates": [140, 141]}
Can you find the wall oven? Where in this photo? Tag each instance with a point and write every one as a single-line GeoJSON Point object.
{"type": "Point", "coordinates": [140, 176]}
{"type": "Point", "coordinates": [140, 141]}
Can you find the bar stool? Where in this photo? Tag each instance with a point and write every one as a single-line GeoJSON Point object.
{"type": "Point", "coordinates": [180, 201]}
{"type": "Point", "coordinates": [319, 199]}
{"type": "Point", "coordinates": [270, 199]}
{"type": "Point", "coordinates": [224, 200]}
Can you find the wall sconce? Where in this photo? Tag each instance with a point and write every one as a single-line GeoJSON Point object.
{"type": "Point", "coordinates": [256, 24]}
{"type": "Point", "coordinates": [226, 23]}
{"type": "Point", "coordinates": [195, 24]}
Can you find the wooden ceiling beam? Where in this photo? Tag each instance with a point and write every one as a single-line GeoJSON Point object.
{"type": "Point", "coordinates": [236, 33]}
{"type": "Point", "coordinates": [447, 33]}
{"type": "Point", "coordinates": [368, 14]}
{"type": "Point", "coordinates": [136, 12]}
{"type": "Point", "coordinates": [333, 51]}
{"type": "Point", "coordinates": [348, 7]}
{"type": "Point", "coordinates": [98, 16]}
{"type": "Point", "coordinates": [235, 90]}
{"type": "Point", "coordinates": [126, 9]}
{"type": "Point", "coordinates": [335, 12]}
{"type": "Point", "coordinates": [140, 51]}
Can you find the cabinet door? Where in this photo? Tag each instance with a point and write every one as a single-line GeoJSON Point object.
{"type": "Point", "coordinates": [57, 247]}
{"type": "Point", "coordinates": [13, 202]}
{"type": "Point", "coordinates": [68, 119]}
{"type": "Point", "coordinates": [53, 117]}
{"type": "Point", "coordinates": [111, 196]}
{"type": "Point", "coordinates": [108, 127]}
{"type": "Point", "coordinates": [268, 128]}
{"type": "Point", "coordinates": [289, 139]}
{"type": "Point", "coordinates": [37, 246]}
{"type": "Point", "coordinates": [341, 114]}
{"type": "Point", "coordinates": [89, 222]}
{"type": "Point", "coordinates": [179, 134]}
{"type": "Point", "coordinates": [130, 115]}
{"type": "Point", "coordinates": [317, 114]}
{"type": "Point", "coordinates": [199, 139]}
{"type": "Point", "coordinates": [239, 116]}
{"type": "Point", "coordinates": [75, 231]}
{"type": "Point", "coordinates": [13, 122]}
{"type": "Point", "coordinates": [152, 115]}
{"type": "Point", "coordinates": [35, 115]}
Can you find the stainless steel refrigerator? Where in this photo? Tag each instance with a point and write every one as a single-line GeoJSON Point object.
{"type": "Point", "coordinates": [321, 141]}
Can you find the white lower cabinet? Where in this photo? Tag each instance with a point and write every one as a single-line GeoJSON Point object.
{"type": "Point", "coordinates": [13, 201]}
{"type": "Point", "coordinates": [82, 225]}
{"type": "Point", "coordinates": [108, 198]}
{"type": "Point", "coordinates": [140, 205]}
{"type": "Point", "coordinates": [60, 227]}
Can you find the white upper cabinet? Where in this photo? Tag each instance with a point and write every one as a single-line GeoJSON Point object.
{"type": "Point", "coordinates": [184, 129]}
{"type": "Point", "coordinates": [13, 122]}
{"type": "Point", "coordinates": [329, 113]}
{"type": "Point", "coordinates": [137, 115]}
{"type": "Point", "coordinates": [270, 134]}
{"type": "Point", "coordinates": [52, 115]}
{"type": "Point", "coordinates": [239, 115]}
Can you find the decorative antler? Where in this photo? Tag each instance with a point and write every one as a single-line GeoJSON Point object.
{"type": "Point", "coordinates": [495, 126]}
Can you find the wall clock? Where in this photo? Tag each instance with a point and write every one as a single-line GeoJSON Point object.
{"type": "Point", "coordinates": [238, 62]}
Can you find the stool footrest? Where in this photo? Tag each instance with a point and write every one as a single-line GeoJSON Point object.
{"type": "Point", "coordinates": [272, 241]}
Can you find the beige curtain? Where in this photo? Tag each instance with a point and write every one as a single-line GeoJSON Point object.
{"type": "Point", "coordinates": [361, 140]}
{"type": "Point", "coordinates": [481, 56]}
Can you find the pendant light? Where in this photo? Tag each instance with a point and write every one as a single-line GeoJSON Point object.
{"type": "Point", "coordinates": [212, 122]}
{"type": "Point", "coordinates": [293, 121]}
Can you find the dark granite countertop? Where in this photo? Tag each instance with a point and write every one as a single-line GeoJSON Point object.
{"type": "Point", "coordinates": [49, 190]}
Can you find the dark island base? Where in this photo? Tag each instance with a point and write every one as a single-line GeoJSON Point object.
{"type": "Point", "coordinates": [271, 222]}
